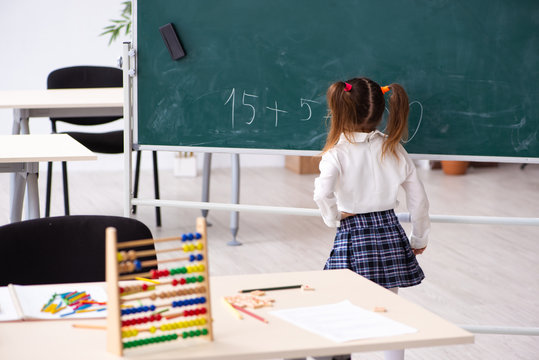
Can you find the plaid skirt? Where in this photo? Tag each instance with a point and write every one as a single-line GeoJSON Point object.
{"type": "Point", "coordinates": [375, 246]}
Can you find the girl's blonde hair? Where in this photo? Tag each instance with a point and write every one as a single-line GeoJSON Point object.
{"type": "Point", "coordinates": [360, 109]}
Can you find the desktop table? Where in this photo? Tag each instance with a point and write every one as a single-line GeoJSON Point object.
{"type": "Point", "coordinates": [60, 103]}
{"type": "Point", "coordinates": [21, 154]}
{"type": "Point", "coordinates": [249, 338]}
{"type": "Point", "coordinates": [47, 103]}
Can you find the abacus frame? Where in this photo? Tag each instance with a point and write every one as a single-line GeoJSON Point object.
{"type": "Point", "coordinates": [115, 344]}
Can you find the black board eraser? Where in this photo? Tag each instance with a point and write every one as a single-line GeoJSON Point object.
{"type": "Point", "coordinates": [172, 41]}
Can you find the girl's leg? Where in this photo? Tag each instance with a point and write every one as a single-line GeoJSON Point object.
{"type": "Point", "coordinates": [394, 354]}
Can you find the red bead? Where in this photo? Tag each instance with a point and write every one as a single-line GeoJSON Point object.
{"type": "Point", "coordinates": [145, 320]}
{"type": "Point", "coordinates": [158, 317]}
{"type": "Point", "coordinates": [174, 282]}
{"type": "Point", "coordinates": [203, 310]}
{"type": "Point", "coordinates": [183, 281]}
{"type": "Point", "coordinates": [166, 272]}
{"type": "Point", "coordinates": [144, 287]}
{"type": "Point", "coordinates": [152, 317]}
{"type": "Point", "coordinates": [154, 274]}
{"type": "Point", "coordinates": [121, 290]}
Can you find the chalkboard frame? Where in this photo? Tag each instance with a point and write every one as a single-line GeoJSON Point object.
{"type": "Point", "coordinates": [240, 150]}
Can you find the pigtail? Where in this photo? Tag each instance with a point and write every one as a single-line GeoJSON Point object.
{"type": "Point", "coordinates": [341, 109]}
{"type": "Point", "coordinates": [397, 123]}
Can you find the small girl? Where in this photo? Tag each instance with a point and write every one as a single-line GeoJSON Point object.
{"type": "Point", "coordinates": [360, 174]}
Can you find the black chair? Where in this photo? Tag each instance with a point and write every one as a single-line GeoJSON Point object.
{"type": "Point", "coordinates": [62, 249]}
{"type": "Point", "coordinates": [106, 143]}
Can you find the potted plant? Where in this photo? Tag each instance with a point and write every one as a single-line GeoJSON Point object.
{"type": "Point", "coordinates": [451, 167]}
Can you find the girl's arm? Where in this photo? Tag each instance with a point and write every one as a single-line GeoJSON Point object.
{"type": "Point", "coordinates": [324, 190]}
{"type": "Point", "coordinates": [418, 206]}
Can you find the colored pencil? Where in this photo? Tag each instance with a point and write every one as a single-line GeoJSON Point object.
{"type": "Point", "coordinates": [272, 288]}
{"type": "Point", "coordinates": [232, 309]}
{"type": "Point", "coordinates": [88, 326]}
{"type": "Point", "coordinates": [249, 313]}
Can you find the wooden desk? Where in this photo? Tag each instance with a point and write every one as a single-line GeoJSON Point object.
{"type": "Point", "coordinates": [21, 154]}
{"type": "Point", "coordinates": [60, 103]}
{"type": "Point", "coordinates": [55, 103]}
{"type": "Point", "coordinates": [248, 338]}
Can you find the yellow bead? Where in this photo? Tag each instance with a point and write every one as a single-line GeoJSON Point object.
{"type": "Point", "coordinates": [120, 256]}
{"type": "Point", "coordinates": [153, 329]}
{"type": "Point", "coordinates": [200, 246]}
{"type": "Point", "coordinates": [185, 248]}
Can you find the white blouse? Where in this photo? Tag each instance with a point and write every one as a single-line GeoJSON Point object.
{"type": "Point", "coordinates": [354, 179]}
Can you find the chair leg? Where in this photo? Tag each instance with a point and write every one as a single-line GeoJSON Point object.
{"type": "Point", "coordinates": [48, 194]}
{"type": "Point", "coordinates": [135, 187]}
{"type": "Point", "coordinates": [66, 192]}
{"type": "Point", "coordinates": [156, 188]}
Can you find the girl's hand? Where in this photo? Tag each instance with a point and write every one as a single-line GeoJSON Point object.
{"type": "Point", "coordinates": [344, 215]}
{"type": "Point", "coordinates": [418, 251]}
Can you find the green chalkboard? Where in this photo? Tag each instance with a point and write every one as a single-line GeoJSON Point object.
{"type": "Point", "coordinates": [256, 71]}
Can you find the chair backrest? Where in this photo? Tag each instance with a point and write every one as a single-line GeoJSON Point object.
{"type": "Point", "coordinates": [61, 249]}
{"type": "Point", "coordinates": [85, 77]}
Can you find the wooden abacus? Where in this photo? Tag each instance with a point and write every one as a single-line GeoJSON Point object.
{"type": "Point", "coordinates": [187, 287]}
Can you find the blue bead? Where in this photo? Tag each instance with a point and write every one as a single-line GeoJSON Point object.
{"type": "Point", "coordinates": [198, 235]}
{"type": "Point", "coordinates": [203, 298]}
{"type": "Point", "coordinates": [152, 307]}
{"type": "Point", "coordinates": [138, 265]}
{"type": "Point", "coordinates": [200, 257]}
{"type": "Point", "coordinates": [191, 236]}
{"type": "Point", "coordinates": [184, 237]}
{"type": "Point", "coordinates": [192, 257]}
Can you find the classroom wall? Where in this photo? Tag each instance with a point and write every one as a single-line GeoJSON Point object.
{"type": "Point", "coordinates": [37, 37]}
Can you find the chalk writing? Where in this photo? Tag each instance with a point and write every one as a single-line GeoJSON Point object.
{"type": "Point", "coordinates": [277, 111]}
{"type": "Point", "coordinates": [248, 100]}
{"type": "Point", "coordinates": [418, 122]}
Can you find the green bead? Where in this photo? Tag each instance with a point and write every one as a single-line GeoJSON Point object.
{"type": "Point", "coordinates": [204, 331]}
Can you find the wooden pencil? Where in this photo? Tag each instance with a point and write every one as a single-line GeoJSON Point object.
{"type": "Point", "coordinates": [249, 313]}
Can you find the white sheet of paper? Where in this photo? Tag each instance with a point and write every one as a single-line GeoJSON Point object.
{"type": "Point", "coordinates": [32, 298]}
{"type": "Point", "coordinates": [343, 321]}
{"type": "Point", "coordinates": [8, 312]}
